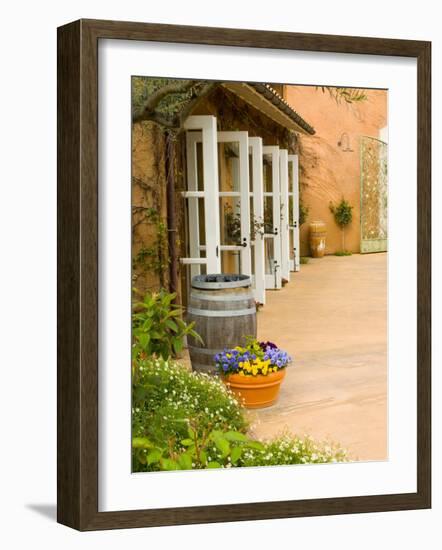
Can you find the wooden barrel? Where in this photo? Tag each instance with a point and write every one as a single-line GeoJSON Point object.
{"type": "Point", "coordinates": [224, 311]}
{"type": "Point", "coordinates": [318, 234]}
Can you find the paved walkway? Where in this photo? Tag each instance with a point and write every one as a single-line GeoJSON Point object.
{"type": "Point", "coordinates": [332, 318]}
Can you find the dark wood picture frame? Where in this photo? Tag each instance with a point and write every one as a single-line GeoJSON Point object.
{"type": "Point", "coordinates": [77, 462]}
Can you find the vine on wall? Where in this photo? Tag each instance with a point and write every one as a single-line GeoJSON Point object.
{"type": "Point", "coordinates": [152, 259]}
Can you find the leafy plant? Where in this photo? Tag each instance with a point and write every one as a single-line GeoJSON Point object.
{"type": "Point", "coordinates": [170, 405]}
{"type": "Point", "coordinates": [199, 450]}
{"type": "Point", "coordinates": [343, 214]}
{"type": "Point", "coordinates": [158, 327]}
{"type": "Point", "coordinates": [304, 260]}
{"type": "Point", "coordinates": [348, 95]}
{"type": "Point", "coordinates": [153, 258]}
{"type": "Point", "coordinates": [232, 224]}
{"type": "Point", "coordinates": [268, 217]}
{"type": "Point", "coordinates": [303, 212]}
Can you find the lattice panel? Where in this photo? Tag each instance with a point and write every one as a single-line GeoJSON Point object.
{"type": "Point", "coordinates": [374, 195]}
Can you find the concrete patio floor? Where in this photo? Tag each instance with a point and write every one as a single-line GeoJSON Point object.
{"type": "Point", "coordinates": [332, 319]}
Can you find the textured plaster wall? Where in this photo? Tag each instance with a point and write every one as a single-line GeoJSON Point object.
{"type": "Point", "coordinates": [326, 172]}
{"type": "Point", "coordinates": [148, 191]}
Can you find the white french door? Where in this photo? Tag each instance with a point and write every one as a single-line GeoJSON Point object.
{"type": "Point", "coordinates": [293, 195]}
{"type": "Point", "coordinates": [234, 205]}
{"type": "Point", "coordinates": [233, 198]}
{"type": "Point", "coordinates": [257, 218]}
{"type": "Point", "coordinates": [272, 217]}
{"type": "Point", "coordinates": [202, 195]}
{"type": "Point", "coordinates": [284, 215]}
{"type": "Point", "coordinates": [217, 196]}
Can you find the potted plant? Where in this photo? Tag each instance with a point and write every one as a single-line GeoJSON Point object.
{"type": "Point", "coordinates": [343, 215]}
{"type": "Point", "coordinates": [254, 372]}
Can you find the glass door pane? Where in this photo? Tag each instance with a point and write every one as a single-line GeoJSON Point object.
{"type": "Point", "coordinates": [256, 201]}
{"type": "Point", "coordinates": [272, 217]}
{"type": "Point", "coordinates": [294, 247]}
{"type": "Point", "coordinates": [233, 175]}
{"type": "Point", "coordinates": [230, 218]}
{"type": "Point", "coordinates": [284, 213]}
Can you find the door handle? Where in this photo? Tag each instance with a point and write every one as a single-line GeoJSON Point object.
{"type": "Point", "coordinates": [244, 243]}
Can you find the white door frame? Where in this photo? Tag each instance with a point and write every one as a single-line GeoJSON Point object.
{"type": "Point", "coordinates": [242, 138]}
{"type": "Point", "coordinates": [255, 148]}
{"type": "Point", "coordinates": [294, 228]}
{"type": "Point", "coordinates": [208, 136]}
{"type": "Point", "coordinates": [273, 280]}
{"type": "Point", "coordinates": [192, 195]}
{"type": "Point", "coordinates": [284, 194]}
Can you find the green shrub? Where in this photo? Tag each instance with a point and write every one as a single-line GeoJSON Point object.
{"type": "Point", "coordinates": [199, 450]}
{"type": "Point", "coordinates": [304, 260]}
{"type": "Point", "coordinates": [343, 253]}
{"type": "Point", "coordinates": [343, 214]}
{"type": "Point", "coordinates": [290, 449]}
{"type": "Point", "coordinates": [169, 402]}
{"type": "Point", "coordinates": [157, 326]}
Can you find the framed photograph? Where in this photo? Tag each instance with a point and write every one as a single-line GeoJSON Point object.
{"type": "Point", "coordinates": [243, 275]}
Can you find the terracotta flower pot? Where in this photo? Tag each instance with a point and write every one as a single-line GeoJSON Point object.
{"type": "Point", "coordinates": [257, 391]}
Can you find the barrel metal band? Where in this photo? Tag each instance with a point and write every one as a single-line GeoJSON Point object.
{"type": "Point", "coordinates": [221, 312]}
{"type": "Point", "coordinates": [221, 297]}
{"type": "Point", "coordinates": [216, 286]}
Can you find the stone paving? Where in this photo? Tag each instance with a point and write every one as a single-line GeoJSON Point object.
{"type": "Point", "coordinates": [332, 318]}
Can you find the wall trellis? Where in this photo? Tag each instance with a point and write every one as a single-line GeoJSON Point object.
{"type": "Point", "coordinates": [374, 195]}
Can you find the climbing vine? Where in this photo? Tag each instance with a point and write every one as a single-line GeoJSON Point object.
{"type": "Point", "coordinates": [153, 258]}
{"type": "Point", "coordinates": [303, 212]}
{"type": "Point", "coordinates": [150, 259]}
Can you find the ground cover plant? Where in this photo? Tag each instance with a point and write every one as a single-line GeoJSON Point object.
{"type": "Point", "coordinates": [187, 420]}
{"type": "Point", "coordinates": [182, 419]}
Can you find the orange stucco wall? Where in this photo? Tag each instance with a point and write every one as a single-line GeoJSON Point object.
{"type": "Point", "coordinates": [149, 252]}
{"type": "Point", "coordinates": [327, 173]}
